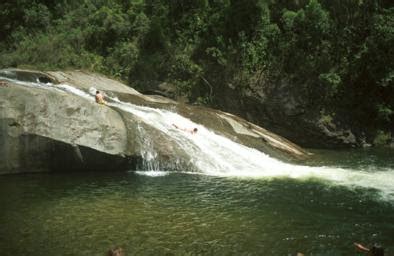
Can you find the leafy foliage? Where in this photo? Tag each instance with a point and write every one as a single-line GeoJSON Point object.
{"type": "Point", "coordinates": [338, 55]}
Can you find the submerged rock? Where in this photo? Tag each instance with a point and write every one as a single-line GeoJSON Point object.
{"type": "Point", "coordinates": [53, 130]}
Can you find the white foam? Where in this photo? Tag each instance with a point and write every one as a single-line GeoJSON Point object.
{"type": "Point", "coordinates": [216, 155]}
{"type": "Point", "coordinates": [73, 90]}
{"type": "Point", "coordinates": [153, 173]}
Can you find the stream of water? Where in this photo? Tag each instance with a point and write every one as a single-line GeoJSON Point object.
{"type": "Point", "coordinates": [237, 201]}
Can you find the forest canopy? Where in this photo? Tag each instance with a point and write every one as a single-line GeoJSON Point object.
{"type": "Point", "coordinates": [337, 53]}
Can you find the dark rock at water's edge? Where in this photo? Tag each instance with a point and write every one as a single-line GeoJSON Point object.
{"type": "Point", "coordinates": [280, 108]}
{"type": "Point", "coordinates": [51, 130]}
{"type": "Point", "coordinates": [34, 153]}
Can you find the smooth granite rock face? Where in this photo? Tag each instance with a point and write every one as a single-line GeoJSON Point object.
{"type": "Point", "coordinates": [279, 107]}
{"type": "Point", "coordinates": [52, 130]}
{"type": "Point", "coordinates": [35, 120]}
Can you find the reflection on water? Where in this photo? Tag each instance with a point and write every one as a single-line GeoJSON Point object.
{"type": "Point", "coordinates": [181, 214]}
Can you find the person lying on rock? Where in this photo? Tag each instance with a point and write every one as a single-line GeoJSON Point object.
{"type": "Point", "coordinates": [100, 98]}
{"type": "Point", "coordinates": [191, 130]}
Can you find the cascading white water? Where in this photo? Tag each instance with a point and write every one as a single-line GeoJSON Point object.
{"type": "Point", "coordinates": [216, 155]}
{"type": "Point", "coordinates": [213, 154]}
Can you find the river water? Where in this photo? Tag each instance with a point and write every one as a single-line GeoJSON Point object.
{"type": "Point", "coordinates": [155, 213]}
{"type": "Point", "coordinates": [236, 201]}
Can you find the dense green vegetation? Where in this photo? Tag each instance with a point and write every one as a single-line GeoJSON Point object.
{"type": "Point", "coordinates": [337, 53]}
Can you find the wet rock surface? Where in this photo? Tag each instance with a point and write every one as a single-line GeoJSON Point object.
{"type": "Point", "coordinates": [52, 130]}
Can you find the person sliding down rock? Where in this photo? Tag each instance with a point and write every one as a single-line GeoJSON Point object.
{"type": "Point", "coordinates": [100, 98]}
{"type": "Point", "coordinates": [191, 130]}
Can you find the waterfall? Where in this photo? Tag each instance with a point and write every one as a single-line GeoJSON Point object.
{"type": "Point", "coordinates": [212, 154]}
{"type": "Point", "coordinates": [149, 155]}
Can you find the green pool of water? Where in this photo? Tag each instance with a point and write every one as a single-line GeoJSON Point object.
{"type": "Point", "coordinates": [187, 214]}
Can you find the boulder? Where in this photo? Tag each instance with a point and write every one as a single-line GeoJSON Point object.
{"type": "Point", "coordinates": [52, 130]}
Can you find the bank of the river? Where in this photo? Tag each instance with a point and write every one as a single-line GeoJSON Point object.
{"type": "Point", "coordinates": [188, 214]}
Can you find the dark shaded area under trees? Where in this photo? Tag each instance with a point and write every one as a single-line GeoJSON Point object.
{"type": "Point", "coordinates": [336, 54]}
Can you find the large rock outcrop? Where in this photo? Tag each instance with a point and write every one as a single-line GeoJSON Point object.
{"type": "Point", "coordinates": [281, 109]}
{"type": "Point", "coordinates": [278, 107]}
{"type": "Point", "coordinates": [48, 130]}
